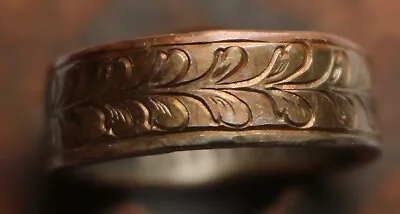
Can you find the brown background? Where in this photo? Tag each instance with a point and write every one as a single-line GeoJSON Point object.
{"type": "Point", "coordinates": [33, 33]}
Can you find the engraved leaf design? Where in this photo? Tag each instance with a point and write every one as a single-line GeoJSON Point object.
{"type": "Point", "coordinates": [112, 120]}
{"type": "Point", "coordinates": [115, 73]}
{"type": "Point", "coordinates": [340, 65]}
{"type": "Point", "coordinates": [342, 106]}
{"type": "Point", "coordinates": [169, 68]}
{"type": "Point", "coordinates": [226, 108]}
{"type": "Point", "coordinates": [118, 119]}
{"type": "Point", "coordinates": [287, 64]}
{"type": "Point", "coordinates": [89, 119]}
{"type": "Point", "coordinates": [163, 100]}
{"type": "Point", "coordinates": [166, 112]}
{"type": "Point", "coordinates": [227, 62]}
{"type": "Point", "coordinates": [292, 108]}
{"type": "Point", "coordinates": [139, 116]}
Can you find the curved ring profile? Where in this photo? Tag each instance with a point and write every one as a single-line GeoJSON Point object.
{"type": "Point", "coordinates": [215, 89]}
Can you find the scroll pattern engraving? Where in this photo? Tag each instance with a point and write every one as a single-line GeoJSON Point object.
{"type": "Point", "coordinates": [162, 100]}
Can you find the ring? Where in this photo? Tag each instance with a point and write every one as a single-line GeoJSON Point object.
{"type": "Point", "coordinates": [196, 108]}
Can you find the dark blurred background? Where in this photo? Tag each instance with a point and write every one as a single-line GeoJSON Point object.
{"type": "Point", "coordinates": [34, 33]}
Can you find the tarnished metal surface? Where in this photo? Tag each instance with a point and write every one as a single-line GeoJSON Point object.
{"type": "Point", "coordinates": [214, 89]}
{"type": "Point", "coordinates": [42, 30]}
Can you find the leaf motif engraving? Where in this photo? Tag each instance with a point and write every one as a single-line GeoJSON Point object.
{"type": "Point", "coordinates": [226, 108]}
{"type": "Point", "coordinates": [111, 120]}
{"type": "Point", "coordinates": [293, 61]}
{"type": "Point", "coordinates": [286, 64]}
{"type": "Point", "coordinates": [342, 106]}
{"type": "Point", "coordinates": [338, 67]}
{"type": "Point", "coordinates": [162, 100]}
{"type": "Point", "coordinates": [90, 119]}
{"type": "Point", "coordinates": [227, 62]}
{"type": "Point", "coordinates": [166, 112]}
{"type": "Point", "coordinates": [292, 108]}
{"type": "Point", "coordinates": [115, 73]}
{"type": "Point", "coordinates": [339, 78]}
{"type": "Point", "coordinates": [118, 119]}
{"type": "Point", "coordinates": [169, 68]}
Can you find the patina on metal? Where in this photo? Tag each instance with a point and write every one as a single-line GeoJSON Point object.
{"type": "Point", "coordinates": [202, 107]}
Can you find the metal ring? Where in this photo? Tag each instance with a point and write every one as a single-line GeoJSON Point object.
{"type": "Point", "coordinates": [294, 101]}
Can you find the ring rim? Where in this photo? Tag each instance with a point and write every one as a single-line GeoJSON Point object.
{"type": "Point", "coordinates": [367, 148]}
{"type": "Point", "coordinates": [209, 36]}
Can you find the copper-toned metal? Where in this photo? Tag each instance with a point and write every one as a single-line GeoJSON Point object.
{"type": "Point", "coordinates": [297, 101]}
